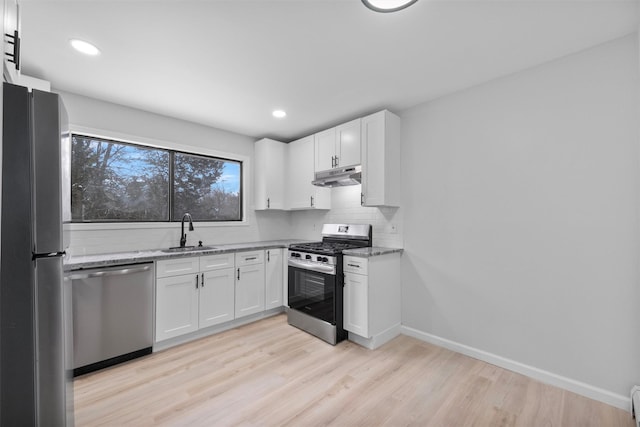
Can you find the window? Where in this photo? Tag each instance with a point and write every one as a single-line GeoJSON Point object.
{"type": "Point", "coordinates": [113, 181]}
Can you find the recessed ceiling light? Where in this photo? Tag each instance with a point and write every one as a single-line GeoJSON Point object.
{"type": "Point", "coordinates": [388, 5]}
{"type": "Point", "coordinates": [84, 47]}
{"type": "Point", "coordinates": [279, 114]}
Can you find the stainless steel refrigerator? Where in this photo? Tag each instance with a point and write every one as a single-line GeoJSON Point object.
{"type": "Point", "coordinates": [35, 344]}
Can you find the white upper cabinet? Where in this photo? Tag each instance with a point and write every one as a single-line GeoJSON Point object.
{"type": "Point", "coordinates": [348, 143]}
{"type": "Point", "coordinates": [381, 159]}
{"type": "Point", "coordinates": [325, 145]}
{"type": "Point", "coordinates": [301, 194]}
{"type": "Point", "coordinates": [269, 174]}
{"type": "Point", "coordinates": [338, 146]}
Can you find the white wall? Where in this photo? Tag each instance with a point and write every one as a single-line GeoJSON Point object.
{"type": "Point", "coordinates": [346, 208]}
{"type": "Point", "coordinates": [521, 215]}
{"type": "Point", "coordinates": [117, 121]}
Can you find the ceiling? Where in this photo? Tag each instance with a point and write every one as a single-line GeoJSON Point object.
{"type": "Point", "coordinates": [229, 63]}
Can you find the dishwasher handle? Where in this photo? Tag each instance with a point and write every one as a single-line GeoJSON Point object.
{"type": "Point", "coordinates": [106, 273]}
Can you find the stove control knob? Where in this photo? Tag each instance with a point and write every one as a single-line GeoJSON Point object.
{"type": "Point", "coordinates": [325, 259]}
{"type": "Point", "coordinates": [307, 257]}
{"type": "Point", "coordinates": [295, 255]}
{"type": "Point", "coordinates": [319, 259]}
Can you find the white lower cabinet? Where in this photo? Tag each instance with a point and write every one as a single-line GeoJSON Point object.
{"type": "Point", "coordinates": [250, 280]}
{"type": "Point", "coordinates": [198, 292]}
{"type": "Point", "coordinates": [372, 298]}
{"type": "Point", "coordinates": [274, 278]}
{"type": "Point", "coordinates": [193, 293]}
{"type": "Point", "coordinates": [176, 306]}
{"type": "Point", "coordinates": [217, 299]}
{"type": "Point", "coordinates": [356, 304]}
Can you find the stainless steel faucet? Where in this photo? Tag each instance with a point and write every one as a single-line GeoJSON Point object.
{"type": "Point", "coordinates": [183, 235]}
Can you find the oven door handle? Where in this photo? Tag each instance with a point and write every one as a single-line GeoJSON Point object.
{"type": "Point", "coordinates": [312, 266]}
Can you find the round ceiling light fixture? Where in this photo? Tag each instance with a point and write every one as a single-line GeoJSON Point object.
{"type": "Point", "coordinates": [279, 114]}
{"type": "Point", "coordinates": [84, 47]}
{"type": "Point", "coordinates": [388, 5]}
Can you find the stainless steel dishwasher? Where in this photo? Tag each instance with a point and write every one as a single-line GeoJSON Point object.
{"type": "Point", "coordinates": [112, 315]}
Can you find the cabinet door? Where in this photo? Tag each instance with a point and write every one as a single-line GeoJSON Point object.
{"type": "Point", "coordinates": [381, 159]}
{"type": "Point", "coordinates": [217, 288]}
{"type": "Point", "coordinates": [300, 166]}
{"type": "Point", "coordinates": [301, 194]}
{"type": "Point", "coordinates": [176, 305]}
{"type": "Point", "coordinates": [249, 290]}
{"type": "Point", "coordinates": [274, 278]}
{"type": "Point", "coordinates": [356, 304]}
{"type": "Point", "coordinates": [325, 149]}
{"type": "Point", "coordinates": [372, 160]}
{"type": "Point", "coordinates": [348, 143]}
{"type": "Point", "coordinates": [269, 173]}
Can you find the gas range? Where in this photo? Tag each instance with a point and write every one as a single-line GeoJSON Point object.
{"type": "Point", "coordinates": [319, 256]}
{"type": "Point", "coordinates": [316, 280]}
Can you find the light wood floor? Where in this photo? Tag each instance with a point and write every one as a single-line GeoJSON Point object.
{"type": "Point", "coordinates": [270, 374]}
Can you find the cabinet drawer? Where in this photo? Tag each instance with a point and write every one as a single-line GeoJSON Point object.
{"type": "Point", "coordinates": [355, 265]}
{"type": "Point", "coordinates": [248, 258]}
{"type": "Point", "coordinates": [176, 267]}
{"type": "Point", "coordinates": [216, 262]}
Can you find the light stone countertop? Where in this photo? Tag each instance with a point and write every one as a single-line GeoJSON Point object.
{"type": "Point", "coordinates": [371, 252]}
{"type": "Point", "coordinates": [79, 262]}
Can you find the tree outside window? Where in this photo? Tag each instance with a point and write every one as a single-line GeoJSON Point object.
{"type": "Point", "coordinates": [115, 181]}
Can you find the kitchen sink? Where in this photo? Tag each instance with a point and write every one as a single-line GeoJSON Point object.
{"type": "Point", "coordinates": [187, 249]}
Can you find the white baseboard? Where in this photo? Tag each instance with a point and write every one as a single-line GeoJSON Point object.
{"type": "Point", "coordinates": [596, 393]}
{"type": "Point", "coordinates": [376, 340]}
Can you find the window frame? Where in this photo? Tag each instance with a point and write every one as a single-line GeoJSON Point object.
{"type": "Point", "coordinates": [170, 147]}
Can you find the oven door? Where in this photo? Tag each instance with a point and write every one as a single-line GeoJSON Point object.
{"type": "Point", "coordinates": [313, 293]}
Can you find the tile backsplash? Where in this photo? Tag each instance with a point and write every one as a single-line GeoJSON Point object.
{"type": "Point", "coordinates": [346, 208]}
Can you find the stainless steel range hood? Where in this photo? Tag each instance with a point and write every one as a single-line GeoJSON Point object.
{"type": "Point", "coordinates": [339, 177]}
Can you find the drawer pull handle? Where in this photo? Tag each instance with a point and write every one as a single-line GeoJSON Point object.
{"type": "Point", "coordinates": [251, 259]}
{"type": "Point", "coordinates": [353, 265]}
